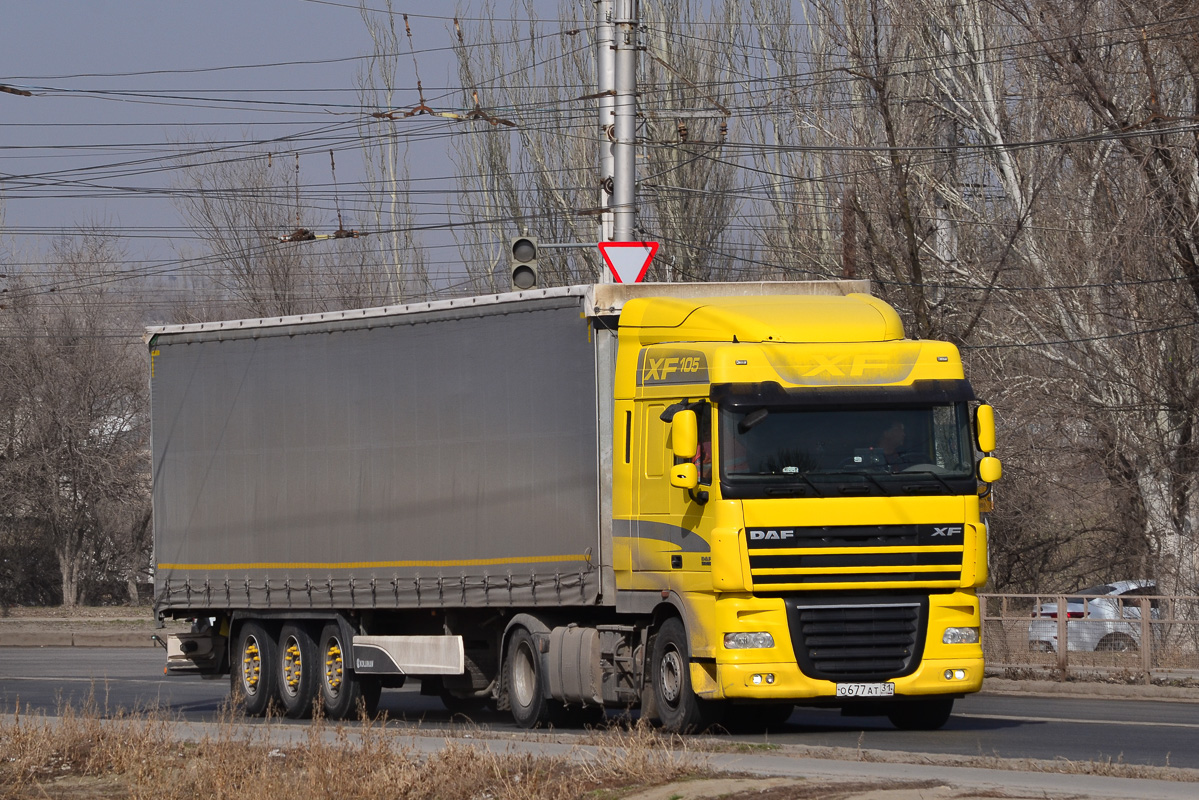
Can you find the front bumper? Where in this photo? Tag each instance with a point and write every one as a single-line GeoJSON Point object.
{"type": "Point", "coordinates": [735, 681]}
{"type": "Point", "coordinates": [730, 674]}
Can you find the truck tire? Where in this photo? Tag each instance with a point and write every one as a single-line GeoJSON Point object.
{"type": "Point", "coordinates": [340, 688]}
{"type": "Point", "coordinates": [252, 673]}
{"type": "Point", "coordinates": [525, 682]}
{"type": "Point", "coordinates": [679, 710]}
{"type": "Point", "coordinates": [299, 671]}
{"type": "Point", "coordinates": [921, 715]}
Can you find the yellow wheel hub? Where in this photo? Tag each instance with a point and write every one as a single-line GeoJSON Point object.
{"type": "Point", "coordinates": [334, 667]}
{"type": "Point", "coordinates": [251, 666]}
{"type": "Point", "coordinates": [292, 667]}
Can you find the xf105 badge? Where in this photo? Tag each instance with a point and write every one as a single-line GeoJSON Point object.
{"type": "Point", "coordinates": [664, 367]}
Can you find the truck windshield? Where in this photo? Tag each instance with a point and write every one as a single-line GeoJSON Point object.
{"type": "Point", "coordinates": [820, 451]}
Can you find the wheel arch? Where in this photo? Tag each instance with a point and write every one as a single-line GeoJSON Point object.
{"type": "Point", "coordinates": [670, 606]}
{"type": "Point", "coordinates": [534, 624]}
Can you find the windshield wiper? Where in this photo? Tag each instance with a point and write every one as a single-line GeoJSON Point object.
{"type": "Point", "coordinates": [865, 475]}
{"type": "Point", "coordinates": [811, 485]}
{"type": "Point", "coordinates": [934, 475]}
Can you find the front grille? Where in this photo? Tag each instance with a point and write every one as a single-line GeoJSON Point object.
{"type": "Point", "coordinates": [865, 640]}
{"type": "Point", "coordinates": [931, 555]}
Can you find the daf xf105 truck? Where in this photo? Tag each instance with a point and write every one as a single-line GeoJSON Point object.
{"type": "Point", "coordinates": [688, 498]}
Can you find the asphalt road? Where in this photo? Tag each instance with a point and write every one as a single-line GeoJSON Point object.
{"type": "Point", "coordinates": [1147, 732]}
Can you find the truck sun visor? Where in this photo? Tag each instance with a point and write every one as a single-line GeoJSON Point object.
{"type": "Point", "coordinates": [770, 393]}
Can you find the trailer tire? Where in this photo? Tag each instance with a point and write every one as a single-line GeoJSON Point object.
{"type": "Point", "coordinates": [340, 689]}
{"type": "Point", "coordinates": [299, 671]}
{"type": "Point", "coordinates": [679, 710]}
{"type": "Point", "coordinates": [524, 682]}
{"type": "Point", "coordinates": [252, 674]}
{"type": "Point", "coordinates": [921, 715]}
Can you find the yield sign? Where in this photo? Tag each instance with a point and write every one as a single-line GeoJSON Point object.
{"type": "Point", "coordinates": [628, 261]}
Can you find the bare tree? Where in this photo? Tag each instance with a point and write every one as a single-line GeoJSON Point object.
{"type": "Point", "coordinates": [260, 231]}
{"type": "Point", "coordinates": [540, 175]}
{"type": "Point", "coordinates": [385, 158]}
{"type": "Point", "coordinates": [76, 426]}
{"type": "Point", "coordinates": [526, 161]}
{"type": "Point", "coordinates": [689, 179]}
{"type": "Point", "coordinates": [1122, 340]}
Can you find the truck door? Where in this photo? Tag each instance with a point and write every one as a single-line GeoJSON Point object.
{"type": "Point", "coordinates": [670, 520]}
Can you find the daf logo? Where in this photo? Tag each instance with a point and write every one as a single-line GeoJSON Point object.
{"type": "Point", "coordinates": [760, 535]}
{"type": "Point", "coordinates": [952, 530]}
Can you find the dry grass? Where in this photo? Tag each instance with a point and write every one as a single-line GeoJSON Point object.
{"type": "Point", "coordinates": [80, 755]}
{"type": "Point", "coordinates": [83, 754]}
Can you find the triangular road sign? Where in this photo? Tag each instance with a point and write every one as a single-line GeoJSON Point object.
{"type": "Point", "coordinates": [628, 261]}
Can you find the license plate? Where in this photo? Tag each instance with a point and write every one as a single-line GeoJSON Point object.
{"type": "Point", "coordinates": [865, 690]}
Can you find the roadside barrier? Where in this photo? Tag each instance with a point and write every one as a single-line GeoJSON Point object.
{"type": "Point", "coordinates": [1143, 637]}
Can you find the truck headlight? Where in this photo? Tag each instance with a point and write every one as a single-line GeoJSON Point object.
{"type": "Point", "coordinates": [960, 636]}
{"type": "Point", "coordinates": [748, 641]}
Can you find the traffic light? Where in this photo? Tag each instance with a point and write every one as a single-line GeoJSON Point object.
{"type": "Point", "coordinates": [522, 263]}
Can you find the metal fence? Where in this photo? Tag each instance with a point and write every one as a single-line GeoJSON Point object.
{"type": "Point", "coordinates": [1145, 637]}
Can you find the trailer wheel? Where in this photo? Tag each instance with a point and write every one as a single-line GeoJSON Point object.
{"type": "Point", "coordinates": [525, 683]}
{"type": "Point", "coordinates": [340, 688]}
{"type": "Point", "coordinates": [252, 673]}
{"type": "Point", "coordinates": [679, 709]}
{"type": "Point", "coordinates": [921, 715]}
{"type": "Point", "coordinates": [299, 674]}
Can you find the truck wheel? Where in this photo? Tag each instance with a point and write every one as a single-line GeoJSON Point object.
{"type": "Point", "coordinates": [340, 688]}
{"type": "Point", "coordinates": [252, 673]}
{"type": "Point", "coordinates": [525, 683]}
{"type": "Point", "coordinates": [921, 715]}
{"type": "Point", "coordinates": [679, 710]}
{"type": "Point", "coordinates": [299, 674]}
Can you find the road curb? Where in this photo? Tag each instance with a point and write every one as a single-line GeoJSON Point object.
{"type": "Point", "coordinates": [988, 782]}
{"type": "Point", "coordinates": [76, 639]}
{"type": "Point", "coordinates": [1115, 691]}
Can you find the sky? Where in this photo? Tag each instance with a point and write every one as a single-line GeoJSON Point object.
{"type": "Point", "coordinates": [121, 87]}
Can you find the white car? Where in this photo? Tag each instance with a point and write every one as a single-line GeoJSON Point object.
{"type": "Point", "coordinates": [1105, 618]}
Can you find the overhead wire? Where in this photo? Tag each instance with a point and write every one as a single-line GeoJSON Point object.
{"type": "Point", "coordinates": [314, 144]}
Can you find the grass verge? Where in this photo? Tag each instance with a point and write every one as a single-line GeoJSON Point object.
{"type": "Point", "coordinates": [82, 755]}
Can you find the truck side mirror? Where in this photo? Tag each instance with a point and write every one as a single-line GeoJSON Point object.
{"type": "Point", "coordinates": [984, 427]}
{"type": "Point", "coordinates": [684, 476]}
{"type": "Point", "coordinates": [684, 435]}
{"type": "Point", "coordinates": [990, 469]}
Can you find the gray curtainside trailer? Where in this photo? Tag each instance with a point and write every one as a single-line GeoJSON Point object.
{"type": "Point", "coordinates": [441, 457]}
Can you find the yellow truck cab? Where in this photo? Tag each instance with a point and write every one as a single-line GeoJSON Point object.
{"type": "Point", "coordinates": [799, 481]}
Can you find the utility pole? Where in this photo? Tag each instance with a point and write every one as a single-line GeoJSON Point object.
{"type": "Point", "coordinates": [624, 168]}
{"type": "Point", "coordinates": [605, 61]}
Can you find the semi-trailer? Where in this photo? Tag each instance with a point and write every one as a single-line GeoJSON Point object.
{"type": "Point", "coordinates": [685, 498]}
